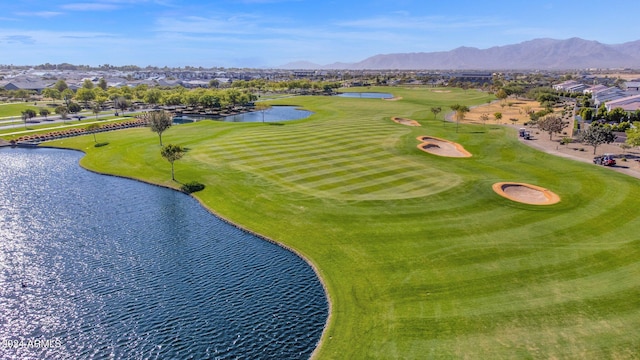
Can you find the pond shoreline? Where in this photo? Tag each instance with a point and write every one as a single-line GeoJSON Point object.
{"type": "Point", "coordinates": [300, 255]}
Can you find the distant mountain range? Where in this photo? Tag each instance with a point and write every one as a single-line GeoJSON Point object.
{"type": "Point", "coordinates": [542, 54]}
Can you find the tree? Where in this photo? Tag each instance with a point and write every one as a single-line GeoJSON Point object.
{"type": "Point", "coordinates": [435, 110]}
{"type": "Point", "coordinates": [85, 95]}
{"type": "Point", "coordinates": [52, 94]}
{"type": "Point", "coordinates": [61, 86]}
{"type": "Point", "coordinates": [633, 136]}
{"type": "Point", "coordinates": [21, 94]}
{"type": "Point", "coordinates": [214, 83]}
{"type": "Point", "coordinates": [602, 112]}
{"type": "Point", "coordinates": [586, 113]}
{"type": "Point", "coordinates": [159, 122]}
{"type": "Point", "coordinates": [62, 111]}
{"type": "Point", "coordinates": [121, 103]}
{"type": "Point", "coordinates": [514, 120]}
{"type": "Point", "coordinates": [102, 83]}
{"type": "Point", "coordinates": [67, 95]}
{"type": "Point", "coordinates": [152, 96]}
{"type": "Point", "coordinates": [44, 112]}
{"type": "Point", "coordinates": [92, 129]}
{"type": "Point", "coordinates": [96, 110]}
{"type": "Point", "coordinates": [87, 84]}
{"type": "Point", "coordinates": [497, 116]}
{"type": "Point", "coordinates": [551, 124]}
{"type": "Point", "coordinates": [596, 135]}
{"type": "Point", "coordinates": [172, 153]}
{"type": "Point", "coordinates": [25, 117]}
{"type": "Point", "coordinates": [74, 108]}
{"type": "Point", "coordinates": [484, 117]}
{"type": "Point", "coordinates": [616, 114]}
{"type": "Point", "coordinates": [460, 110]}
{"type": "Point", "coordinates": [209, 99]}
{"type": "Point", "coordinates": [501, 94]}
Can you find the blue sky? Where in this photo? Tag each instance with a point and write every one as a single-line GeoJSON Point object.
{"type": "Point", "coordinates": [268, 33]}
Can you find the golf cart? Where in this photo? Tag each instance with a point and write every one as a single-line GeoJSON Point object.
{"type": "Point", "coordinates": [525, 134]}
{"type": "Point", "coordinates": [604, 160]}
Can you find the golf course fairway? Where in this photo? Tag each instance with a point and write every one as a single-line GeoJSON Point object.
{"type": "Point", "coordinates": [419, 256]}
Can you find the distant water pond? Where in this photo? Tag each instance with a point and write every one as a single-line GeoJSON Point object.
{"type": "Point", "coordinates": [273, 114]}
{"type": "Point", "coordinates": [101, 267]}
{"type": "Point", "coordinates": [366, 95]}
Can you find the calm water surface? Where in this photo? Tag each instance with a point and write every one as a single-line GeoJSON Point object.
{"type": "Point", "coordinates": [94, 266]}
{"type": "Point", "coordinates": [273, 114]}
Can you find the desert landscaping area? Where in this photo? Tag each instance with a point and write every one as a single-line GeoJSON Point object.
{"type": "Point", "coordinates": [628, 161]}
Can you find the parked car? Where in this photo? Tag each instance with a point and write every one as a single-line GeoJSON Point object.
{"type": "Point", "coordinates": [605, 160]}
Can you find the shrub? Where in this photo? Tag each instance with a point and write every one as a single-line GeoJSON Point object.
{"type": "Point", "coordinates": [566, 140]}
{"type": "Point", "coordinates": [192, 187]}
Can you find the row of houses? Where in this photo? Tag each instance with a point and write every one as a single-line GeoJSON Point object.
{"type": "Point", "coordinates": [37, 85]}
{"type": "Point", "coordinates": [612, 97]}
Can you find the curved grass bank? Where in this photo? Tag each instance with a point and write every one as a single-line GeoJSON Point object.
{"type": "Point", "coordinates": [421, 257]}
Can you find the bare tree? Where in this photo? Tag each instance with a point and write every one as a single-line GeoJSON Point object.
{"type": "Point", "coordinates": [484, 117]}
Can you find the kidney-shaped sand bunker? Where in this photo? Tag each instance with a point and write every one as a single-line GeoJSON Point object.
{"type": "Point", "coordinates": [526, 193]}
{"type": "Point", "coordinates": [442, 147]}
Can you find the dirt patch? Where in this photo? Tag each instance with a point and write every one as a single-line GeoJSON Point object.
{"type": "Point", "coordinates": [526, 193]}
{"type": "Point", "coordinates": [404, 121]}
{"type": "Point", "coordinates": [441, 91]}
{"type": "Point", "coordinates": [442, 147]}
{"type": "Point", "coordinates": [510, 109]}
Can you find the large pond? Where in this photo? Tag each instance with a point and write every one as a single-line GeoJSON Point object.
{"type": "Point", "coordinates": [366, 95]}
{"type": "Point", "coordinates": [273, 114]}
{"type": "Point", "coordinates": [94, 266]}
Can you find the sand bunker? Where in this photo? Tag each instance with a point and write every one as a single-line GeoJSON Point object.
{"type": "Point", "coordinates": [395, 98]}
{"type": "Point", "coordinates": [404, 121]}
{"type": "Point", "coordinates": [526, 193]}
{"type": "Point", "coordinates": [442, 147]}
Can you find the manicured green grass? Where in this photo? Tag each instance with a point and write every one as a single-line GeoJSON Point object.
{"type": "Point", "coordinates": [420, 257]}
{"type": "Point", "coordinates": [16, 109]}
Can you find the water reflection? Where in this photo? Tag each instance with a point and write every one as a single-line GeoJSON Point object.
{"type": "Point", "coordinates": [113, 268]}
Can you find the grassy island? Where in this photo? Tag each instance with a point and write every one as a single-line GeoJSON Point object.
{"type": "Point", "coordinates": [420, 257]}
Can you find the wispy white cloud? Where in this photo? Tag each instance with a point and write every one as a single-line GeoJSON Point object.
{"type": "Point", "coordinates": [42, 14]}
{"type": "Point", "coordinates": [394, 22]}
{"type": "Point", "coordinates": [90, 6]}
{"type": "Point", "coordinates": [17, 39]}
{"type": "Point", "coordinates": [51, 38]}
{"type": "Point", "coordinates": [231, 24]}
